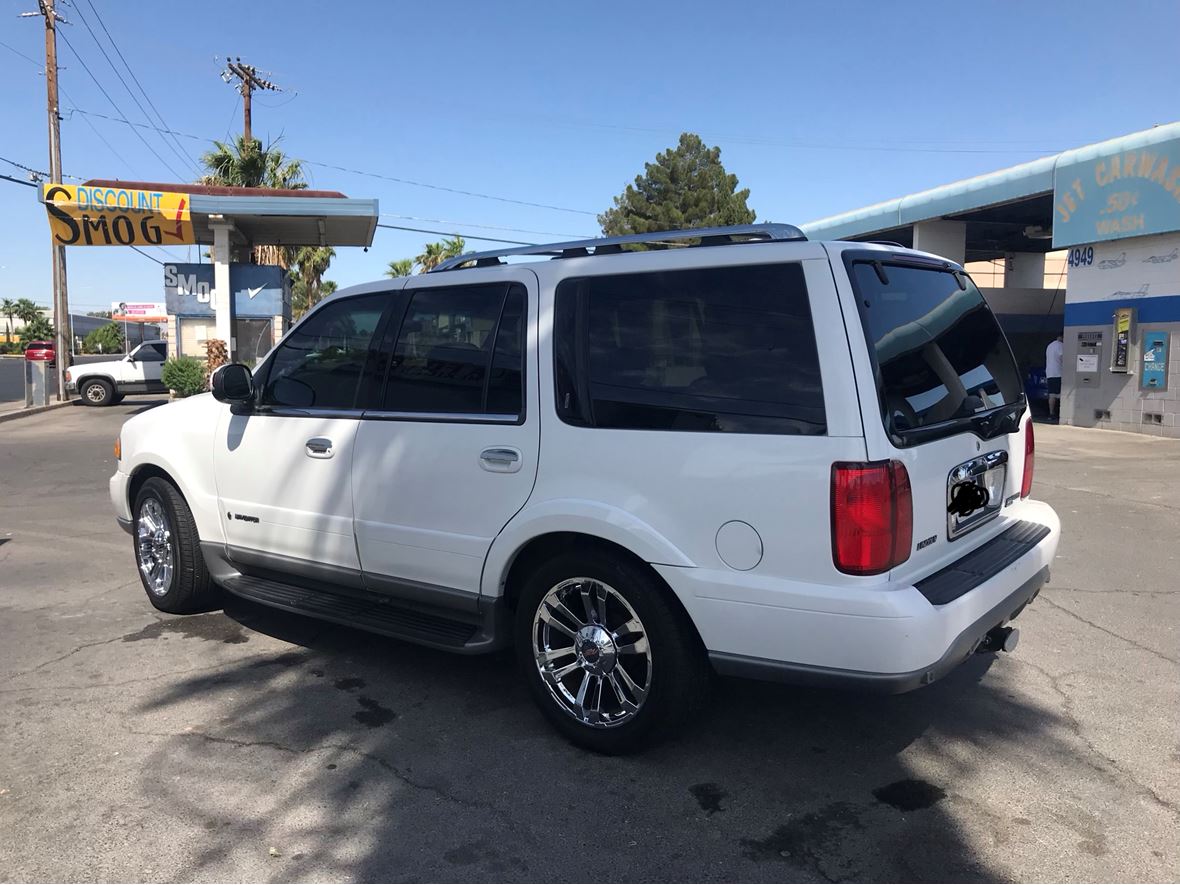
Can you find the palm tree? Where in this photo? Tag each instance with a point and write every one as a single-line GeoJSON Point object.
{"type": "Point", "coordinates": [433, 254]}
{"type": "Point", "coordinates": [248, 164]}
{"type": "Point", "coordinates": [26, 311]}
{"type": "Point", "coordinates": [309, 267]}
{"type": "Point", "coordinates": [8, 309]}
{"type": "Point", "coordinates": [454, 246]}
{"type": "Point", "coordinates": [403, 267]}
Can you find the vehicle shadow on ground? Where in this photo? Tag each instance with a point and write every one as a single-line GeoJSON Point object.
{"type": "Point", "coordinates": [385, 761]}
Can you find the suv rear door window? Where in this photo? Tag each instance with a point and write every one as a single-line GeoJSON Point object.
{"type": "Point", "coordinates": [726, 349]}
{"type": "Point", "coordinates": [939, 351]}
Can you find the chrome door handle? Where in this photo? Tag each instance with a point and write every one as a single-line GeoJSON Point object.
{"type": "Point", "coordinates": [319, 447]}
{"type": "Point", "coordinates": [500, 459]}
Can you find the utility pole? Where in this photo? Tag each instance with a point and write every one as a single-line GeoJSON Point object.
{"type": "Point", "coordinates": [61, 302]}
{"type": "Point", "coordinates": [249, 81]}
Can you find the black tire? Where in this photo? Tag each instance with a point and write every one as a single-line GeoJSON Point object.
{"type": "Point", "coordinates": [680, 678]}
{"type": "Point", "coordinates": [118, 398]}
{"type": "Point", "coordinates": [96, 392]}
{"type": "Point", "coordinates": [188, 589]}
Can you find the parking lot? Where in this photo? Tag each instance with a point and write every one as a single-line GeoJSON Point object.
{"type": "Point", "coordinates": [255, 745]}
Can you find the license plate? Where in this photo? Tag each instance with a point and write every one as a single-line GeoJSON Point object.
{"type": "Point", "coordinates": [975, 492]}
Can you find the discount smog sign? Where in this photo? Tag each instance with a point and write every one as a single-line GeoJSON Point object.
{"type": "Point", "coordinates": [80, 215]}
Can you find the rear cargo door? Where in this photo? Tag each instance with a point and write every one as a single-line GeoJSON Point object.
{"type": "Point", "coordinates": [946, 400]}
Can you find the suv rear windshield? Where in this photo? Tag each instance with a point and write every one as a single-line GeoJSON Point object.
{"type": "Point", "coordinates": [940, 356]}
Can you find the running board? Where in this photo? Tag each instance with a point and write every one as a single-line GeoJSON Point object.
{"type": "Point", "coordinates": [374, 613]}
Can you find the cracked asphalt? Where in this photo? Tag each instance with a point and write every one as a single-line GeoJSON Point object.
{"type": "Point", "coordinates": [253, 745]}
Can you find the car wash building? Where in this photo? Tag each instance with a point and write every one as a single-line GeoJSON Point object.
{"type": "Point", "coordinates": [1111, 211]}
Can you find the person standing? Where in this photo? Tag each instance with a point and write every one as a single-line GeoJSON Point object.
{"type": "Point", "coordinates": [1053, 359]}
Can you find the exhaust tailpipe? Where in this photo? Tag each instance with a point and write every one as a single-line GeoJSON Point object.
{"type": "Point", "coordinates": [999, 639]}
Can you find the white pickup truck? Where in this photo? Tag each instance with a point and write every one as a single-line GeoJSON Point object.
{"type": "Point", "coordinates": [106, 383]}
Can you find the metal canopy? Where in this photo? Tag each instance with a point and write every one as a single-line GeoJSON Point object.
{"type": "Point", "coordinates": [1010, 210]}
{"type": "Point", "coordinates": [273, 217]}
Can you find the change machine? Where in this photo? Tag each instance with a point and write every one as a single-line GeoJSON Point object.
{"type": "Point", "coordinates": [1089, 358]}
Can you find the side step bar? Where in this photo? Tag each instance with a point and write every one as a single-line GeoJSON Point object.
{"type": "Point", "coordinates": [444, 629]}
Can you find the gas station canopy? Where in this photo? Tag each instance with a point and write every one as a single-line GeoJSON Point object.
{"type": "Point", "coordinates": [269, 217]}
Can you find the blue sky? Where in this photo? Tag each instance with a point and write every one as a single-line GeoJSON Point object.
{"type": "Point", "coordinates": [818, 107]}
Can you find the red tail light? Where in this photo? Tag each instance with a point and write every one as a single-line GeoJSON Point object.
{"type": "Point", "coordinates": [1029, 446]}
{"type": "Point", "coordinates": [872, 516]}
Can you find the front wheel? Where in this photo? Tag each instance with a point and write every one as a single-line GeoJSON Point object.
{"type": "Point", "coordinates": [97, 392]}
{"type": "Point", "coordinates": [168, 551]}
{"type": "Point", "coordinates": [610, 659]}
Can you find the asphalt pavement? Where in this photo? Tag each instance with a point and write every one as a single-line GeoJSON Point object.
{"type": "Point", "coordinates": [12, 375]}
{"type": "Point", "coordinates": [254, 745]}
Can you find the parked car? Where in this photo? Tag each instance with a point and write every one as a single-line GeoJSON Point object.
{"type": "Point", "coordinates": [757, 456]}
{"type": "Point", "coordinates": [106, 383]}
{"type": "Point", "coordinates": [42, 351]}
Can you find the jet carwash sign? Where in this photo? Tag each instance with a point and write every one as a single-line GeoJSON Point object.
{"type": "Point", "coordinates": [1103, 194]}
{"type": "Point", "coordinates": [258, 289]}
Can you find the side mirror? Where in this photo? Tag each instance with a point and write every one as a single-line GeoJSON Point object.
{"type": "Point", "coordinates": [233, 383]}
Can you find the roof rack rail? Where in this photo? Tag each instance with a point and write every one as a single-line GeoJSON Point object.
{"type": "Point", "coordinates": [708, 236]}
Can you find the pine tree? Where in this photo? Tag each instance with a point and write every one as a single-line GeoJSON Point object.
{"type": "Point", "coordinates": [686, 187]}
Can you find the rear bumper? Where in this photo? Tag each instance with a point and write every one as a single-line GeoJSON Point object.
{"type": "Point", "coordinates": [887, 683]}
{"type": "Point", "coordinates": [888, 638]}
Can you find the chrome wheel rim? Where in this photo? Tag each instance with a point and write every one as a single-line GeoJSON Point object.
{"type": "Point", "coordinates": [592, 652]}
{"type": "Point", "coordinates": [153, 547]}
{"type": "Point", "coordinates": [96, 393]}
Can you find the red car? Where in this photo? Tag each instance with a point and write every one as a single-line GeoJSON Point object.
{"type": "Point", "coordinates": [42, 351]}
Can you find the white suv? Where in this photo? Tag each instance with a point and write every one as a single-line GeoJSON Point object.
{"type": "Point", "coordinates": [755, 455]}
{"type": "Point", "coordinates": [106, 383]}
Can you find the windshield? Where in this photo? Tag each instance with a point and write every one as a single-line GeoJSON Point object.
{"type": "Point", "coordinates": [940, 353]}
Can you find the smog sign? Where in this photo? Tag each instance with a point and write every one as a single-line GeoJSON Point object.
{"type": "Point", "coordinates": [80, 215]}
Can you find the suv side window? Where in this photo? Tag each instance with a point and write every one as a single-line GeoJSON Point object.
{"type": "Point", "coordinates": [151, 353]}
{"type": "Point", "coordinates": [460, 352]}
{"type": "Point", "coordinates": [320, 364]}
{"type": "Point", "coordinates": [725, 349]}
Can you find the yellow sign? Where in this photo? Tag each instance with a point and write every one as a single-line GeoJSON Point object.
{"type": "Point", "coordinates": [80, 215]}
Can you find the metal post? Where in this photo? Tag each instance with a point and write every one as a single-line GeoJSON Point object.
{"type": "Point", "coordinates": [223, 298]}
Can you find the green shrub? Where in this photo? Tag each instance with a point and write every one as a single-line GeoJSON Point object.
{"type": "Point", "coordinates": [185, 375]}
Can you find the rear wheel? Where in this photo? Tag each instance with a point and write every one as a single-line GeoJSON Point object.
{"type": "Point", "coordinates": [612, 662]}
{"type": "Point", "coordinates": [97, 392]}
{"type": "Point", "coordinates": [168, 551]}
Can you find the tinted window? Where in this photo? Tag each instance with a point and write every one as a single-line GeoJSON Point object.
{"type": "Point", "coordinates": [719, 349]}
{"type": "Point", "coordinates": [454, 354]}
{"type": "Point", "coordinates": [939, 350]}
{"type": "Point", "coordinates": [319, 364]}
{"type": "Point", "coordinates": [151, 353]}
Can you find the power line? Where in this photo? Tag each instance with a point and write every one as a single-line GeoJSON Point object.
{"type": "Point", "coordinates": [18, 180]}
{"type": "Point", "coordinates": [451, 233]}
{"type": "Point", "coordinates": [519, 230]}
{"type": "Point", "coordinates": [116, 106]}
{"type": "Point", "coordinates": [363, 172]}
{"type": "Point", "coordinates": [21, 54]}
{"type": "Point", "coordinates": [174, 145]}
{"type": "Point", "coordinates": [452, 190]}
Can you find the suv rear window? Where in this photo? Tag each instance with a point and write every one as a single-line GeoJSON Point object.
{"type": "Point", "coordinates": [939, 352]}
{"type": "Point", "coordinates": [726, 349]}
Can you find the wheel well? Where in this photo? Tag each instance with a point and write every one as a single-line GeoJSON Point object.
{"type": "Point", "coordinates": [544, 547]}
{"type": "Point", "coordinates": [141, 475]}
{"type": "Point", "coordinates": [106, 378]}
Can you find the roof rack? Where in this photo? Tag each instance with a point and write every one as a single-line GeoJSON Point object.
{"type": "Point", "coordinates": [708, 236]}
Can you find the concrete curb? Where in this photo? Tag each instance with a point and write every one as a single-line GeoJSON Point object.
{"type": "Point", "coordinates": [34, 410]}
